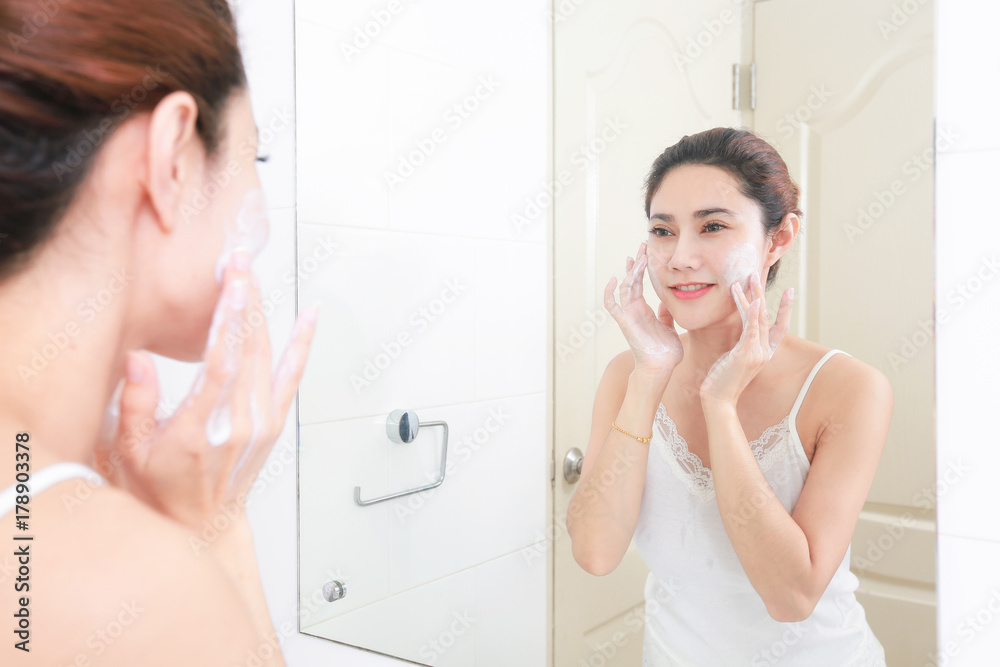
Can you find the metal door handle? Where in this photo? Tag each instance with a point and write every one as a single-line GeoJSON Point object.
{"type": "Point", "coordinates": [573, 465]}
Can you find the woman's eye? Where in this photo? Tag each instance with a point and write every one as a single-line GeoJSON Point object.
{"type": "Point", "coordinates": [719, 225]}
{"type": "Point", "coordinates": [659, 231]}
{"type": "Point", "coordinates": [263, 158]}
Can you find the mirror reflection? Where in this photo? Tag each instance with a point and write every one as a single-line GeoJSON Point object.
{"type": "Point", "coordinates": [459, 471]}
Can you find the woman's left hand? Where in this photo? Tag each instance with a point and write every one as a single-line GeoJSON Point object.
{"type": "Point", "coordinates": [731, 374]}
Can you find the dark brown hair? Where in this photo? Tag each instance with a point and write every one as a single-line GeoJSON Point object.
{"type": "Point", "coordinates": [71, 71]}
{"type": "Point", "coordinates": [760, 171]}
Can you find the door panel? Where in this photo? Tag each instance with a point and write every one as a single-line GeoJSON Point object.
{"type": "Point", "coordinates": [857, 100]}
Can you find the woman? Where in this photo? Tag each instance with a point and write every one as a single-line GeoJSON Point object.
{"type": "Point", "coordinates": [130, 209]}
{"type": "Point", "coordinates": [748, 556]}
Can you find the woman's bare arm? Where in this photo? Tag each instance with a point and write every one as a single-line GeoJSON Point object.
{"type": "Point", "coordinates": [604, 510]}
{"type": "Point", "coordinates": [790, 559]}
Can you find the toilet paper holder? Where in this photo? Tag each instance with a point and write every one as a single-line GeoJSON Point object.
{"type": "Point", "coordinates": [402, 426]}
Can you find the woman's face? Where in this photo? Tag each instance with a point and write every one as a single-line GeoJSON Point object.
{"type": "Point", "coordinates": [702, 230]}
{"type": "Point", "coordinates": [224, 212]}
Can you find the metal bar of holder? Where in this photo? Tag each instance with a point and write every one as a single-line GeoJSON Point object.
{"type": "Point", "coordinates": [401, 427]}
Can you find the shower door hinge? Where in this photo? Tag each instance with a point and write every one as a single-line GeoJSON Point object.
{"type": "Point", "coordinates": [736, 86]}
{"type": "Point", "coordinates": [752, 84]}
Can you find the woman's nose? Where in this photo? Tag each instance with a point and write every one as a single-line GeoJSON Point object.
{"type": "Point", "coordinates": [685, 255]}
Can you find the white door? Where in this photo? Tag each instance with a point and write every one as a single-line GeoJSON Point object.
{"type": "Point", "coordinates": [628, 83]}
{"type": "Point", "coordinates": [850, 86]}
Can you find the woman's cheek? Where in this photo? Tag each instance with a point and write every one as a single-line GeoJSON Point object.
{"type": "Point", "coordinates": [654, 270]}
{"type": "Point", "coordinates": [741, 262]}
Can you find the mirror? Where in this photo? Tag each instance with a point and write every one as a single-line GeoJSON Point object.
{"type": "Point", "coordinates": [469, 176]}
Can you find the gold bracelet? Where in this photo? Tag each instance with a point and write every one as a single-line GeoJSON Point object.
{"type": "Point", "coordinates": [642, 440]}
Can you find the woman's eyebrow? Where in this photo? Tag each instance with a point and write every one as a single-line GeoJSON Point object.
{"type": "Point", "coordinates": [703, 213]}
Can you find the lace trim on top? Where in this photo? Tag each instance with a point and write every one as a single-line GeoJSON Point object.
{"type": "Point", "coordinates": [688, 468]}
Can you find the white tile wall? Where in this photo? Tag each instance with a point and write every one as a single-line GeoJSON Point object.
{"type": "Point", "coordinates": [348, 109]}
{"type": "Point", "coordinates": [402, 333]}
{"type": "Point", "coordinates": [969, 608]}
{"type": "Point", "coordinates": [414, 150]}
{"type": "Point", "coordinates": [968, 289]}
{"type": "Point", "coordinates": [434, 624]}
{"type": "Point", "coordinates": [460, 620]}
{"type": "Point", "coordinates": [492, 501]}
{"type": "Point", "coordinates": [967, 243]}
{"type": "Point", "coordinates": [966, 46]}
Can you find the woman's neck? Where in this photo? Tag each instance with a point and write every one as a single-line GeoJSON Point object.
{"type": "Point", "coordinates": [704, 346]}
{"type": "Point", "coordinates": [62, 326]}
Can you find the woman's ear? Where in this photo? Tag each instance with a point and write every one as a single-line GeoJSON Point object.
{"type": "Point", "coordinates": [175, 156]}
{"type": "Point", "coordinates": [781, 240]}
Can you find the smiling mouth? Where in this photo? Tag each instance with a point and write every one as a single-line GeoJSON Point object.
{"type": "Point", "coordinates": [692, 288]}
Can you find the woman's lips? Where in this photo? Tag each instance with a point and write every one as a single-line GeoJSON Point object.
{"type": "Point", "coordinates": [681, 294]}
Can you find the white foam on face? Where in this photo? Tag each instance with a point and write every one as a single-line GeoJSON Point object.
{"type": "Point", "coordinates": [247, 231]}
{"type": "Point", "coordinates": [741, 263]}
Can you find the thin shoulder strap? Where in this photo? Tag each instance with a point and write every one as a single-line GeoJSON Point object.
{"type": "Point", "coordinates": [46, 477]}
{"type": "Point", "coordinates": [809, 379]}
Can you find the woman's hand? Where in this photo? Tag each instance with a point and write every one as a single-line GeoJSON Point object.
{"type": "Point", "coordinates": [734, 370]}
{"type": "Point", "coordinates": [653, 340]}
{"type": "Point", "coordinates": [203, 460]}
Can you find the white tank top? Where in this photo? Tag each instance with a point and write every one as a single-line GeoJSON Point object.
{"type": "Point", "coordinates": [701, 610]}
{"type": "Point", "coordinates": [46, 477]}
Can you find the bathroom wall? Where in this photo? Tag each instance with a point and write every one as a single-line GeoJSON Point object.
{"type": "Point", "coordinates": [968, 321]}
{"type": "Point", "coordinates": [421, 129]}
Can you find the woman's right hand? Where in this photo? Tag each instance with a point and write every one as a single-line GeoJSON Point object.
{"type": "Point", "coordinates": [202, 461]}
{"type": "Point", "coordinates": [655, 345]}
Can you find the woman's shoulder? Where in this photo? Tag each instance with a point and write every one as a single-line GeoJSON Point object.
{"type": "Point", "coordinates": [841, 377]}
{"type": "Point", "coordinates": [138, 572]}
